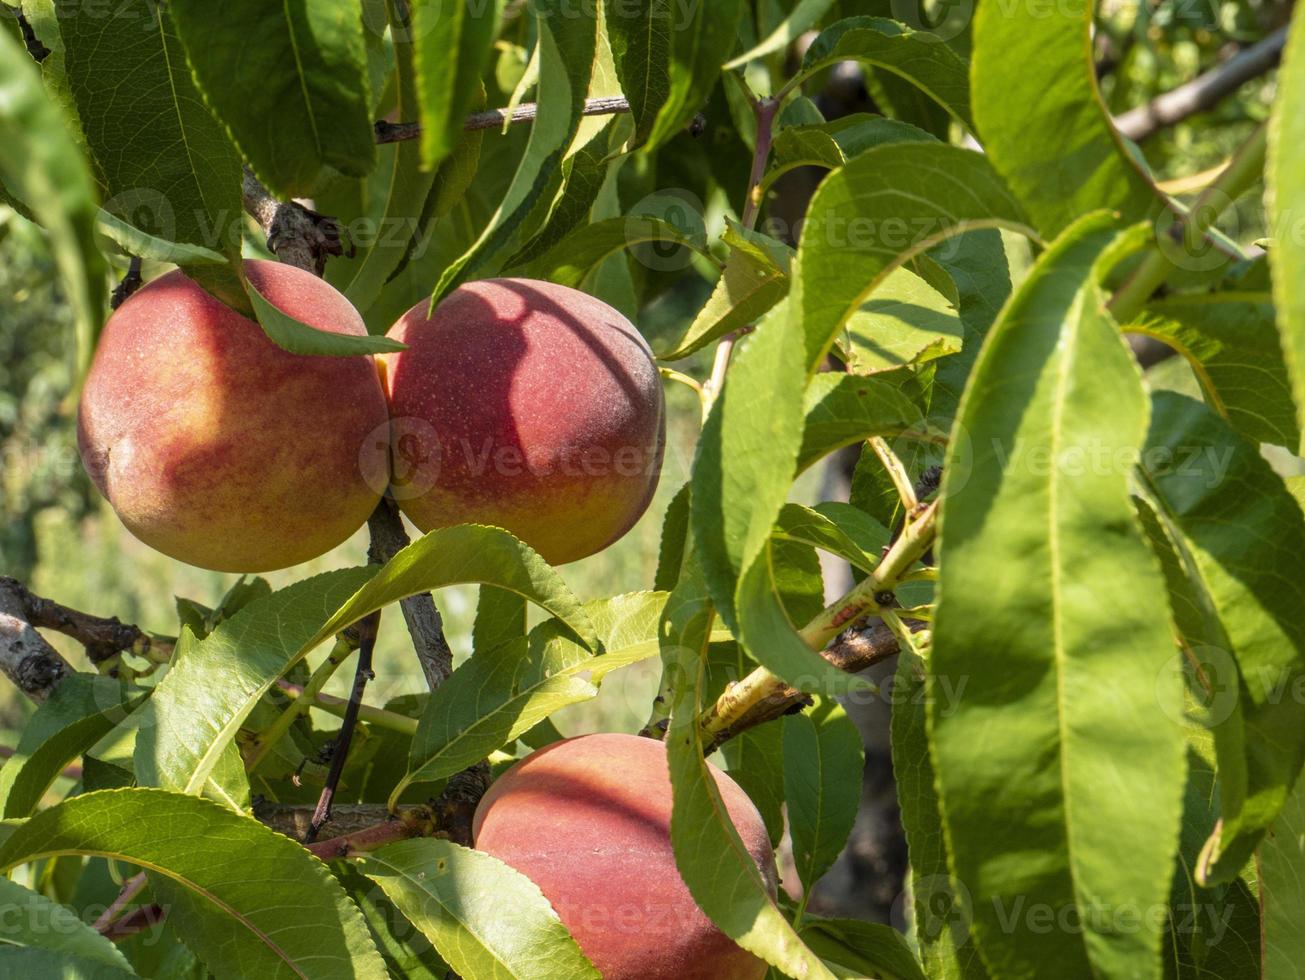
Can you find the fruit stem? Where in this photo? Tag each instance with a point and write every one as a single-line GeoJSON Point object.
{"type": "Point", "coordinates": [866, 598]}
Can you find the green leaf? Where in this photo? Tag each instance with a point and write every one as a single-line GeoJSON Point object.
{"type": "Point", "coordinates": [1285, 200]}
{"type": "Point", "coordinates": [566, 49]}
{"type": "Point", "coordinates": [504, 691]}
{"type": "Point", "coordinates": [213, 684]}
{"type": "Point", "coordinates": [461, 899]}
{"type": "Point", "coordinates": [940, 910]}
{"type": "Point", "coordinates": [755, 758]}
{"type": "Point", "coordinates": [804, 15]}
{"type": "Point", "coordinates": [862, 949]}
{"type": "Point", "coordinates": [701, 36]}
{"type": "Point", "coordinates": [1245, 535]}
{"type": "Point", "coordinates": [755, 278]}
{"type": "Point", "coordinates": [571, 260]}
{"type": "Point", "coordinates": [452, 46]}
{"type": "Point", "coordinates": [289, 82]}
{"type": "Point", "coordinates": [640, 35]}
{"type": "Point", "coordinates": [500, 618]}
{"type": "Point", "coordinates": [832, 144]}
{"type": "Point", "coordinates": [885, 206]}
{"type": "Point", "coordinates": [165, 164]}
{"type": "Point", "coordinates": [712, 860]}
{"type": "Point", "coordinates": [406, 950]}
{"type": "Point", "coordinates": [1231, 342]}
{"type": "Point", "coordinates": [82, 710]}
{"type": "Point", "coordinates": [395, 214]}
{"type": "Point", "coordinates": [1041, 60]}
{"type": "Point", "coordinates": [34, 921]}
{"type": "Point", "coordinates": [1064, 724]}
{"type": "Point", "coordinates": [42, 166]}
{"type": "Point", "coordinates": [674, 541]}
{"type": "Point", "coordinates": [133, 241]}
{"type": "Point", "coordinates": [18, 963]}
{"type": "Point", "coordinates": [1282, 890]}
{"type": "Point", "coordinates": [906, 321]}
{"type": "Point", "coordinates": [811, 527]}
{"type": "Point", "coordinates": [842, 409]}
{"type": "Point", "coordinates": [234, 913]}
{"type": "Point", "coordinates": [461, 555]}
{"type": "Point", "coordinates": [823, 761]}
{"type": "Point", "coordinates": [921, 58]}
{"type": "Point", "coordinates": [300, 338]}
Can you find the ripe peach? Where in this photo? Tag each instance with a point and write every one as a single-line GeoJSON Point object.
{"type": "Point", "coordinates": [526, 405]}
{"type": "Point", "coordinates": [219, 448]}
{"type": "Point", "coordinates": [588, 820]}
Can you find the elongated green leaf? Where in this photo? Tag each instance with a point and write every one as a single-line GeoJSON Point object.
{"type": "Point", "coordinates": [274, 912]}
{"type": "Point", "coordinates": [504, 691]}
{"type": "Point", "coordinates": [712, 860]}
{"type": "Point", "coordinates": [459, 555]}
{"type": "Point", "coordinates": [887, 45]}
{"type": "Point", "coordinates": [747, 455]}
{"type": "Point", "coordinates": [574, 257]}
{"type": "Point", "coordinates": [884, 206]}
{"type": "Point", "coordinates": [288, 81]}
{"type": "Point", "coordinates": [1246, 537]}
{"type": "Point", "coordinates": [811, 527]}
{"type": "Point", "coordinates": [756, 762]}
{"type": "Point", "coordinates": [462, 899]}
{"type": "Point", "coordinates": [406, 950]}
{"type": "Point", "coordinates": [1041, 59]}
{"type": "Point", "coordinates": [755, 278]}
{"type": "Point", "coordinates": [81, 711]}
{"type": "Point", "coordinates": [394, 220]}
{"type": "Point", "coordinates": [832, 144]}
{"type": "Point", "coordinates": [165, 164]}
{"type": "Point", "coordinates": [941, 910]}
{"type": "Point", "coordinates": [640, 35]}
{"type": "Point", "coordinates": [42, 166]}
{"type": "Point", "coordinates": [300, 338]}
{"type": "Point", "coordinates": [823, 760]}
{"type": "Point", "coordinates": [566, 49]}
{"type": "Point", "coordinates": [702, 35]}
{"type": "Point", "coordinates": [1282, 890]}
{"type": "Point", "coordinates": [804, 15]}
{"type": "Point", "coordinates": [906, 321]}
{"type": "Point", "coordinates": [1231, 342]}
{"type": "Point", "coordinates": [453, 39]}
{"type": "Point", "coordinates": [136, 242]}
{"type": "Point", "coordinates": [213, 684]}
{"type": "Point", "coordinates": [32, 920]}
{"type": "Point", "coordinates": [1040, 763]}
{"type": "Point", "coordinates": [1285, 199]}
{"type": "Point", "coordinates": [20, 963]}
{"type": "Point", "coordinates": [842, 409]}
{"type": "Point", "coordinates": [853, 948]}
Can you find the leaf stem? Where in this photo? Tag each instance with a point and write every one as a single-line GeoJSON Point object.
{"type": "Point", "coordinates": [380, 717]}
{"type": "Point", "coordinates": [866, 598]}
{"type": "Point", "coordinates": [1243, 170]}
{"type": "Point", "coordinates": [896, 472]}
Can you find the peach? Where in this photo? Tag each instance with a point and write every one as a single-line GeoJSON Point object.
{"type": "Point", "coordinates": [588, 820]}
{"type": "Point", "coordinates": [526, 405]}
{"type": "Point", "coordinates": [219, 448]}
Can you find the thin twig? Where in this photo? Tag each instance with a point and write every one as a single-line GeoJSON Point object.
{"type": "Point", "coordinates": [1204, 91]}
{"type": "Point", "coordinates": [329, 703]}
{"type": "Point", "coordinates": [132, 887]}
{"type": "Point", "coordinates": [387, 132]}
{"type": "Point", "coordinates": [363, 673]}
